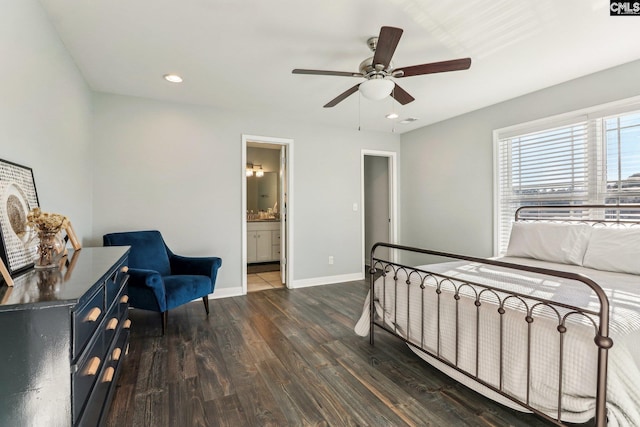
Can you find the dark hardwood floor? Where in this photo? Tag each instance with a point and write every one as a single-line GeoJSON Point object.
{"type": "Point", "coordinates": [286, 358]}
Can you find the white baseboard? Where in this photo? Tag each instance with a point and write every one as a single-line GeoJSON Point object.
{"type": "Point", "coordinates": [327, 280]}
{"type": "Point", "coordinates": [303, 283]}
{"type": "Point", "coordinates": [226, 292]}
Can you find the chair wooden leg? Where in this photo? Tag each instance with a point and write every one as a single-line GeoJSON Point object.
{"type": "Point", "coordinates": [205, 300]}
{"type": "Point", "coordinates": [164, 317]}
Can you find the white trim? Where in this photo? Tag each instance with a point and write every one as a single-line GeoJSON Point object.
{"type": "Point", "coordinates": [289, 212]}
{"type": "Point", "coordinates": [495, 195]}
{"type": "Point", "coordinates": [393, 196]}
{"type": "Point", "coordinates": [225, 293]}
{"type": "Point", "coordinates": [327, 280]}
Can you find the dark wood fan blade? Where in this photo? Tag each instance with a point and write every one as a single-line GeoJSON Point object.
{"type": "Point", "coordinates": [387, 43]}
{"type": "Point", "coordinates": [434, 67]}
{"type": "Point", "coordinates": [327, 73]}
{"type": "Point", "coordinates": [401, 95]}
{"type": "Point", "coordinates": [342, 96]}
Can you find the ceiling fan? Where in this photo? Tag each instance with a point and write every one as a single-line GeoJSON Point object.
{"type": "Point", "coordinates": [378, 70]}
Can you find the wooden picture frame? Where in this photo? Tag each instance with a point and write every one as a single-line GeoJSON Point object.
{"type": "Point", "coordinates": [17, 197]}
{"type": "Point", "coordinates": [5, 274]}
{"type": "Point", "coordinates": [72, 237]}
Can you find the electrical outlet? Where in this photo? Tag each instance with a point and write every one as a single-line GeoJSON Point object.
{"type": "Point", "coordinates": [331, 260]}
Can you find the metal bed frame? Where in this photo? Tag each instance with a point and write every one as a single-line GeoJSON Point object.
{"type": "Point", "coordinates": [596, 215]}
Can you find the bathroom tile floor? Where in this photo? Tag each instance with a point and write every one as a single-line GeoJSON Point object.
{"type": "Point", "coordinates": [263, 281]}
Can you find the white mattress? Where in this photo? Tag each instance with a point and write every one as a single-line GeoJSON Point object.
{"type": "Point", "coordinates": [623, 291]}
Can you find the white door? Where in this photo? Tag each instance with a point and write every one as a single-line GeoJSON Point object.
{"type": "Point", "coordinates": [282, 204]}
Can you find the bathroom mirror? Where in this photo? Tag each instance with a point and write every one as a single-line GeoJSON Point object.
{"type": "Point", "coordinates": [262, 192]}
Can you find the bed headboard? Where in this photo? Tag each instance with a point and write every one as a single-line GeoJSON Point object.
{"type": "Point", "coordinates": [596, 215]}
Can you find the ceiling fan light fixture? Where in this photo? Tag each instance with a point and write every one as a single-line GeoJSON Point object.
{"type": "Point", "coordinates": [376, 89]}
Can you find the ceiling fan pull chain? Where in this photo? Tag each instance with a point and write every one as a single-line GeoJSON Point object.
{"type": "Point", "coordinates": [393, 120]}
{"type": "Point", "coordinates": [359, 103]}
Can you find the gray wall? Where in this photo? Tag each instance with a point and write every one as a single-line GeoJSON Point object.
{"type": "Point", "coordinates": [447, 168]}
{"type": "Point", "coordinates": [178, 168]}
{"type": "Point", "coordinates": [45, 112]}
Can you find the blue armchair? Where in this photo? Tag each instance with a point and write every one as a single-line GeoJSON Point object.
{"type": "Point", "coordinates": [159, 280]}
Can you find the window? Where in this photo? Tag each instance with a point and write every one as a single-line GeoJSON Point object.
{"type": "Point", "coordinates": [622, 136]}
{"type": "Point", "coordinates": [586, 158]}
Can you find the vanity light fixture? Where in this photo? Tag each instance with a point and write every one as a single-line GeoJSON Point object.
{"type": "Point", "coordinates": [173, 78]}
{"type": "Point", "coordinates": [254, 170]}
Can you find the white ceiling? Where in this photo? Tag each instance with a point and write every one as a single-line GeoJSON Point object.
{"type": "Point", "coordinates": [238, 54]}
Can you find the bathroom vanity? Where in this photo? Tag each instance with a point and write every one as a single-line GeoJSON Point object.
{"type": "Point", "coordinates": [263, 241]}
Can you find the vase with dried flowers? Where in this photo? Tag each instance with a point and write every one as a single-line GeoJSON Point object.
{"type": "Point", "coordinates": [44, 239]}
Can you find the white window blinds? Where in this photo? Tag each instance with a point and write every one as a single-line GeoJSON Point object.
{"type": "Point", "coordinates": [585, 159]}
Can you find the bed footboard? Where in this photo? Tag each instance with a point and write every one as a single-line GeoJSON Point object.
{"type": "Point", "coordinates": [501, 337]}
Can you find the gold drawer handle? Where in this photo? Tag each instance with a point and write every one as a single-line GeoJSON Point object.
{"type": "Point", "coordinates": [115, 355]}
{"type": "Point", "coordinates": [93, 315]}
{"type": "Point", "coordinates": [127, 324]}
{"type": "Point", "coordinates": [108, 375]}
{"type": "Point", "coordinates": [92, 367]}
{"type": "Point", "coordinates": [124, 299]}
{"type": "Point", "coordinates": [112, 324]}
{"type": "Point", "coordinates": [124, 269]}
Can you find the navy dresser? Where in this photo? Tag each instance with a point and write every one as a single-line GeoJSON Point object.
{"type": "Point", "coordinates": [63, 336]}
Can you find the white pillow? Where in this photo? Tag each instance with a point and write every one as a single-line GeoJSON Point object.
{"type": "Point", "coordinates": [547, 241]}
{"type": "Point", "coordinates": [614, 249]}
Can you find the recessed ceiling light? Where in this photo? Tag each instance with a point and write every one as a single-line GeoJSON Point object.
{"type": "Point", "coordinates": [408, 120]}
{"type": "Point", "coordinates": [392, 116]}
{"type": "Point", "coordinates": [173, 78]}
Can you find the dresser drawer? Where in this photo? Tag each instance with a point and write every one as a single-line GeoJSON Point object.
{"type": "Point", "coordinates": [86, 374]}
{"type": "Point", "coordinates": [120, 349]}
{"type": "Point", "coordinates": [115, 320]}
{"type": "Point", "coordinates": [123, 301]}
{"type": "Point", "coordinates": [114, 283]}
{"type": "Point", "coordinates": [100, 398]}
{"type": "Point", "coordinates": [96, 403]}
{"type": "Point", "coordinates": [111, 325]}
{"type": "Point", "coordinates": [86, 320]}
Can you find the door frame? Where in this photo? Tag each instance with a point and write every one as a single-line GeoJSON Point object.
{"type": "Point", "coordinates": [289, 208]}
{"type": "Point", "coordinates": [392, 159]}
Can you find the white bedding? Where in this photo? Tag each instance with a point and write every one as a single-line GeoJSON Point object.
{"type": "Point", "coordinates": [579, 378]}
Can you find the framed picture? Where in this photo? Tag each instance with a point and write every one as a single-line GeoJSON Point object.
{"type": "Point", "coordinates": [17, 197]}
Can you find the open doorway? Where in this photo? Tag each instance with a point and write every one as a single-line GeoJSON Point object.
{"type": "Point", "coordinates": [379, 203]}
{"type": "Point", "coordinates": [266, 203]}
